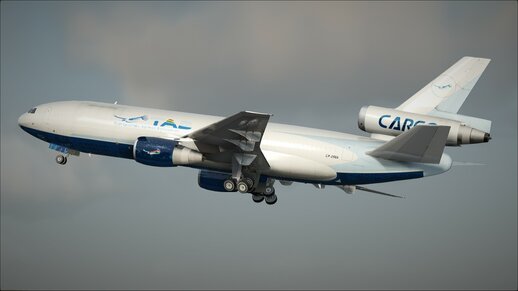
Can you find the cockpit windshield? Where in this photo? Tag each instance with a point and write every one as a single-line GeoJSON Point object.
{"type": "Point", "coordinates": [32, 110]}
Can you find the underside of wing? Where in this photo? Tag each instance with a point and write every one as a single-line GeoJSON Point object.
{"type": "Point", "coordinates": [236, 137]}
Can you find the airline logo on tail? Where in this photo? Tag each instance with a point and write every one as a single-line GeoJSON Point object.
{"type": "Point", "coordinates": [443, 86]}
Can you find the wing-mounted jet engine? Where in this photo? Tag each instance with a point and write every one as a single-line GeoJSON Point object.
{"type": "Point", "coordinates": [160, 152]}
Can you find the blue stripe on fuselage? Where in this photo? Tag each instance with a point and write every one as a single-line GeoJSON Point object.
{"type": "Point", "coordinates": [85, 145]}
{"type": "Point", "coordinates": [370, 178]}
{"type": "Point", "coordinates": [361, 178]}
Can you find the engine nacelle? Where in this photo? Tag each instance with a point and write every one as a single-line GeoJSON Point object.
{"type": "Point", "coordinates": [393, 122]}
{"type": "Point", "coordinates": [159, 152]}
{"type": "Point", "coordinates": [212, 181]}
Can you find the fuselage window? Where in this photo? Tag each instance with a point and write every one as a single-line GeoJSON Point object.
{"type": "Point", "coordinates": [33, 110]}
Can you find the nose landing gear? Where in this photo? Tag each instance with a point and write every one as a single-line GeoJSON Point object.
{"type": "Point", "coordinates": [61, 159]}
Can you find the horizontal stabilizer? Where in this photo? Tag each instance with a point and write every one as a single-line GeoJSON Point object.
{"type": "Point", "coordinates": [421, 144]}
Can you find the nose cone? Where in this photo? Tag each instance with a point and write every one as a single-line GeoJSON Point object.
{"type": "Point", "coordinates": [23, 120]}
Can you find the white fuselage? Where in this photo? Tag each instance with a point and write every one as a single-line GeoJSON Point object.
{"type": "Point", "coordinates": [294, 153]}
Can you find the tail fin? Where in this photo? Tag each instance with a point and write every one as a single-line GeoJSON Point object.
{"type": "Point", "coordinates": [447, 92]}
{"type": "Point", "coordinates": [444, 96]}
{"type": "Point", "coordinates": [421, 144]}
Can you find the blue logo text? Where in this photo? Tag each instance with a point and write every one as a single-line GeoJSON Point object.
{"type": "Point", "coordinates": [396, 124]}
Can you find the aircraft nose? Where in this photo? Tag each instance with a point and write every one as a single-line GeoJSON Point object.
{"type": "Point", "coordinates": [23, 120]}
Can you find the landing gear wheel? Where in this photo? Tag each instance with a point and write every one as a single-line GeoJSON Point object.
{"type": "Point", "coordinates": [242, 187]}
{"type": "Point", "coordinates": [257, 198]}
{"type": "Point", "coordinates": [270, 200]}
{"type": "Point", "coordinates": [248, 182]}
{"type": "Point", "coordinates": [229, 185]}
{"type": "Point", "coordinates": [60, 159]}
{"type": "Point", "coordinates": [269, 190]}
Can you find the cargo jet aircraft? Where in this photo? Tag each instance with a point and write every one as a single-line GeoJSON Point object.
{"type": "Point", "coordinates": [247, 153]}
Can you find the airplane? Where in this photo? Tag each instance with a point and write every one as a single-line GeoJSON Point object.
{"type": "Point", "coordinates": [246, 153]}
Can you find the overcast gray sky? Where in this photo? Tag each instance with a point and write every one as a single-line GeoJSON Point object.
{"type": "Point", "coordinates": [102, 222]}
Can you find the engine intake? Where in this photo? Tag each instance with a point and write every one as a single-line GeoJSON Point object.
{"type": "Point", "coordinates": [159, 152]}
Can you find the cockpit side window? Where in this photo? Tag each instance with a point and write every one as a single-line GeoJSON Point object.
{"type": "Point", "coordinates": [32, 110]}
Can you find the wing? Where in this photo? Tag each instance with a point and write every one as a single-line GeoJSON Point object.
{"type": "Point", "coordinates": [238, 136]}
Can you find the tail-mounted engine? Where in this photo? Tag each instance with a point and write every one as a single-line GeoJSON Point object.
{"type": "Point", "coordinates": [159, 152]}
{"type": "Point", "coordinates": [393, 122]}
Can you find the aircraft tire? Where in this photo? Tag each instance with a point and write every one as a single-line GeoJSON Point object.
{"type": "Point", "coordinates": [248, 182]}
{"type": "Point", "coordinates": [257, 198]}
{"type": "Point", "coordinates": [242, 187]}
{"type": "Point", "coordinates": [60, 159]}
{"type": "Point", "coordinates": [229, 185]}
{"type": "Point", "coordinates": [270, 200]}
{"type": "Point", "coordinates": [269, 190]}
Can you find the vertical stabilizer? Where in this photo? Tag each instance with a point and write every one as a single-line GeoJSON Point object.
{"type": "Point", "coordinates": [447, 92]}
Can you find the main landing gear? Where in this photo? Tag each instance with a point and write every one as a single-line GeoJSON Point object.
{"type": "Point", "coordinates": [61, 159]}
{"type": "Point", "coordinates": [260, 193]}
{"type": "Point", "coordinates": [268, 195]}
{"type": "Point", "coordinates": [244, 185]}
{"type": "Point", "coordinates": [251, 182]}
